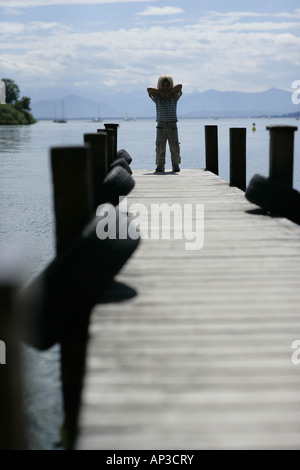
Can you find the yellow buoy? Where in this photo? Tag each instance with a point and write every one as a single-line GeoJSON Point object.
{"type": "Point", "coordinates": [254, 128]}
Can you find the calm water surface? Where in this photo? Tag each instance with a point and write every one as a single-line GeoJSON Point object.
{"type": "Point", "coordinates": [27, 219]}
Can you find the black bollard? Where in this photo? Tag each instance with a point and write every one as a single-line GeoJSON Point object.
{"type": "Point", "coordinates": [98, 144]}
{"type": "Point", "coordinates": [72, 172]}
{"type": "Point", "coordinates": [72, 188]}
{"type": "Point", "coordinates": [110, 145]}
{"type": "Point", "coordinates": [114, 127]}
{"type": "Point", "coordinates": [13, 434]}
{"type": "Point", "coordinates": [238, 158]}
{"type": "Point", "coordinates": [282, 153]}
{"type": "Point", "coordinates": [211, 149]}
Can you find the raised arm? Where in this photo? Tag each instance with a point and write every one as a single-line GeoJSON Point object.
{"type": "Point", "coordinates": [152, 91]}
{"type": "Point", "coordinates": [164, 93]}
{"type": "Point", "coordinates": [176, 88]}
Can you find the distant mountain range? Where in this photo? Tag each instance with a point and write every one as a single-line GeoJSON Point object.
{"type": "Point", "coordinates": [210, 103]}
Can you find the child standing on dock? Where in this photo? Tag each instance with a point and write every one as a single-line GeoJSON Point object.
{"type": "Point", "coordinates": [166, 96]}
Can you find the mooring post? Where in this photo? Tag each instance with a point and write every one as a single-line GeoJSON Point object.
{"type": "Point", "coordinates": [73, 201]}
{"type": "Point", "coordinates": [281, 163]}
{"type": "Point", "coordinates": [72, 189]}
{"type": "Point", "coordinates": [211, 149]}
{"type": "Point", "coordinates": [110, 145]}
{"type": "Point", "coordinates": [12, 414]}
{"type": "Point", "coordinates": [114, 127]}
{"type": "Point", "coordinates": [238, 158]}
{"type": "Point", "coordinates": [98, 144]}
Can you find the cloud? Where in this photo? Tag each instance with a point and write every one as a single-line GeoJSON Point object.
{"type": "Point", "coordinates": [7, 28]}
{"type": "Point", "coordinates": [54, 26]}
{"type": "Point", "coordinates": [263, 26]}
{"type": "Point", "coordinates": [161, 11]}
{"type": "Point", "coordinates": [236, 14]}
{"type": "Point", "coordinates": [11, 11]}
{"type": "Point", "coordinates": [42, 3]}
{"type": "Point", "coordinates": [239, 20]}
{"type": "Point", "coordinates": [211, 52]}
{"type": "Point", "coordinates": [294, 15]}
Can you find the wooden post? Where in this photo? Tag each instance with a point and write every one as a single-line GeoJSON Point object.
{"type": "Point", "coordinates": [98, 144]}
{"type": "Point", "coordinates": [211, 149]}
{"type": "Point", "coordinates": [114, 127]}
{"type": "Point", "coordinates": [282, 153]}
{"type": "Point", "coordinates": [71, 173]}
{"type": "Point", "coordinates": [71, 167]}
{"type": "Point", "coordinates": [12, 416]}
{"type": "Point", "coordinates": [110, 145]}
{"type": "Point", "coordinates": [238, 158]}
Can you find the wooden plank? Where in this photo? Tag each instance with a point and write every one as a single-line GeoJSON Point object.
{"type": "Point", "coordinates": [192, 349]}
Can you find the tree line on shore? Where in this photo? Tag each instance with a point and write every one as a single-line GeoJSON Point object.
{"type": "Point", "coordinates": [16, 110]}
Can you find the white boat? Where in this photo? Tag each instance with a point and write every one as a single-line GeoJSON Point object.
{"type": "Point", "coordinates": [127, 118]}
{"type": "Point", "coordinates": [97, 119]}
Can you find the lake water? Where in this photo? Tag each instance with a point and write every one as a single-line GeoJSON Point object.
{"type": "Point", "coordinates": [27, 219]}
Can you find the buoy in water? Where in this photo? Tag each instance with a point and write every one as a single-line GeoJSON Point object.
{"type": "Point", "coordinates": [254, 128]}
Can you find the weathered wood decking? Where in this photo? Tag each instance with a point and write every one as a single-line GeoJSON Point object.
{"type": "Point", "coordinates": [200, 356]}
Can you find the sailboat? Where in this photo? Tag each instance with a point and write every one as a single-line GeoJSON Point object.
{"type": "Point", "coordinates": [62, 120]}
{"type": "Point", "coordinates": [55, 118]}
{"type": "Point", "coordinates": [97, 119]}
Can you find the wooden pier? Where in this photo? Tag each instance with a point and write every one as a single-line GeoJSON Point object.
{"type": "Point", "coordinates": [165, 347]}
{"type": "Point", "coordinates": [193, 349]}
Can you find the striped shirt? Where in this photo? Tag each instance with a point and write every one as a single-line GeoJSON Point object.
{"type": "Point", "coordinates": [166, 110]}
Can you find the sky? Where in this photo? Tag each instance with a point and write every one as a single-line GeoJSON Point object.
{"type": "Point", "coordinates": [52, 48]}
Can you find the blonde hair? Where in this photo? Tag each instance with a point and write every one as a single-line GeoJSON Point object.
{"type": "Point", "coordinates": [165, 77]}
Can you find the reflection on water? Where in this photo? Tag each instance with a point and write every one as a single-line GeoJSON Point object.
{"type": "Point", "coordinates": [14, 139]}
{"type": "Point", "coordinates": [42, 397]}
